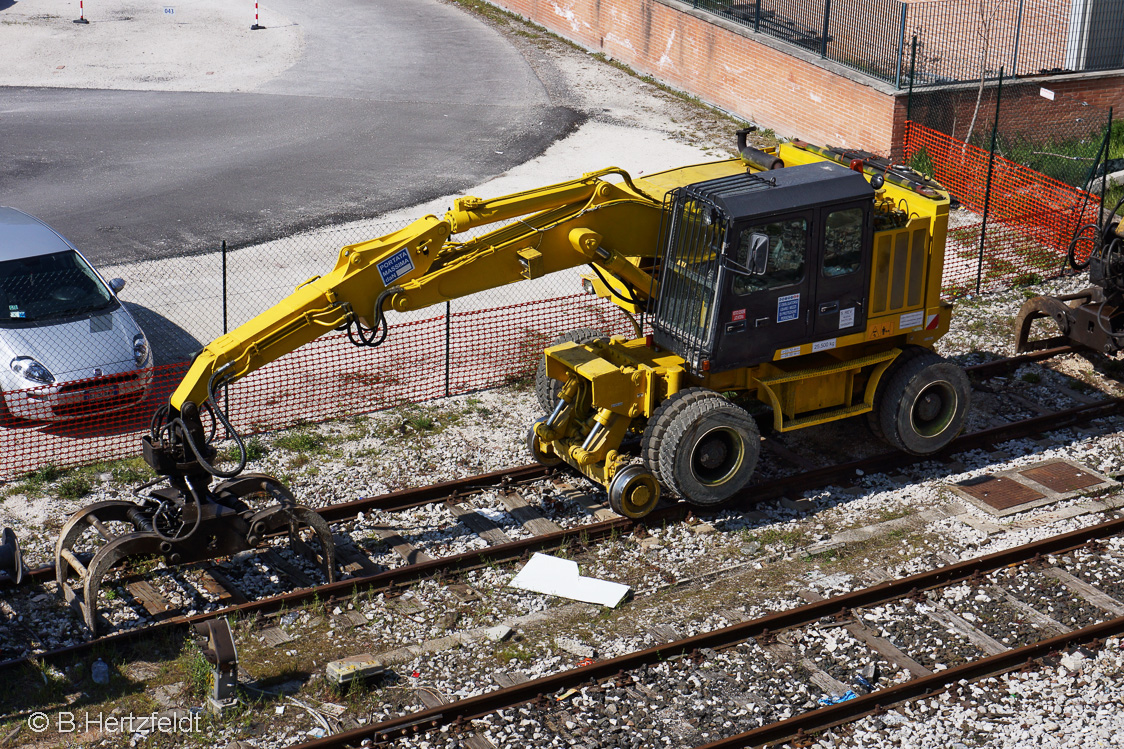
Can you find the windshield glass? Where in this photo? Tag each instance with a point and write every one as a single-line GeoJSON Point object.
{"type": "Point", "coordinates": [46, 287]}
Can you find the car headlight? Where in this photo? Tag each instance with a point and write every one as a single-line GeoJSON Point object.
{"type": "Point", "coordinates": [140, 349]}
{"type": "Point", "coordinates": [29, 369]}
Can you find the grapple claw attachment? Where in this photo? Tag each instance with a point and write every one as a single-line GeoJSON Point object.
{"type": "Point", "coordinates": [209, 524]}
{"type": "Point", "coordinates": [1063, 310]}
{"type": "Point", "coordinates": [12, 568]}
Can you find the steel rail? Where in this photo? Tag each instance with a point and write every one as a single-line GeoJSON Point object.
{"type": "Point", "coordinates": [458, 713]}
{"type": "Point", "coordinates": [404, 499]}
{"type": "Point", "coordinates": [876, 702]}
{"type": "Point", "coordinates": [390, 579]}
{"type": "Point", "coordinates": [401, 576]}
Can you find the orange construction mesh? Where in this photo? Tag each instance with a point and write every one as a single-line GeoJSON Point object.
{"type": "Point", "coordinates": [1031, 217]}
{"type": "Point", "coordinates": [328, 378]}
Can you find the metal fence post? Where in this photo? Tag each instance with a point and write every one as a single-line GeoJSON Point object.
{"type": "Point", "coordinates": [901, 48]}
{"type": "Point", "coordinates": [912, 75]}
{"type": "Point", "coordinates": [226, 389]}
{"type": "Point", "coordinates": [987, 187]}
{"type": "Point", "coordinates": [448, 335]}
{"type": "Point", "coordinates": [826, 18]}
{"type": "Point", "coordinates": [1018, 33]}
{"type": "Point", "coordinates": [757, 16]}
{"type": "Point", "coordinates": [1104, 178]}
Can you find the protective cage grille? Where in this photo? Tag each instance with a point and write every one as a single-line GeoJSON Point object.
{"type": "Point", "coordinates": [693, 232]}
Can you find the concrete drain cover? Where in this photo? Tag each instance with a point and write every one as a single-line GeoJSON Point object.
{"type": "Point", "coordinates": [1018, 489]}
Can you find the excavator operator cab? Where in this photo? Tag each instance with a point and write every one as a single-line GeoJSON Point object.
{"type": "Point", "coordinates": [756, 264]}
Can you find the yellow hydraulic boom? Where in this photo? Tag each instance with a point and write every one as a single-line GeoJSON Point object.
{"type": "Point", "coordinates": [802, 283]}
{"type": "Point", "coordinates": [590, 220]}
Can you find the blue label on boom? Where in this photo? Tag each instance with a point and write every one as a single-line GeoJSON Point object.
{"type": "Point", "coordinates": [395, 266]}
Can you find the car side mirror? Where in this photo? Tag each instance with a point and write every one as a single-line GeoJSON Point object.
{"type": "Point", "coordinates": [116, 284]}
{"type": "Point", "coordinates": [758, 253]}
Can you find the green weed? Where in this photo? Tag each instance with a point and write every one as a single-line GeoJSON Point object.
{"type": "Point", "coordinates": [75, 486]}
{"type": "Point", "coordinates": [302, 441]}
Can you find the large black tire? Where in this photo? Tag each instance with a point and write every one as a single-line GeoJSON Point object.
{"type": "Point", "coordinates": [710, 450]}
{"type": "Point", "coordinates": [924, 405]}
{"type": "Point", "coordinates": [547, 388]}
{"type": "Point", "coordinates": [874, 418]}
{"type": "Point", "coordinates": [656, 430]}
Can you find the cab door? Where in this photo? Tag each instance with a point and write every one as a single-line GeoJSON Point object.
{"type": "Point", "coordinates": [844, 267]}
{"type": "Point", "coordinates": [762, 312]}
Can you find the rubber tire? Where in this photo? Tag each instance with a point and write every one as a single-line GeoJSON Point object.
{"type": "Point", "coordinates": [691, 429]}
{"type": "Point", "coordinates": [924, 381]}
{"type": "Point", "coordinates": [874, 418]}
{"type": "Point", "coordinates": [548, 388]}
{"type": "Point", "coordinates": [656, 430]}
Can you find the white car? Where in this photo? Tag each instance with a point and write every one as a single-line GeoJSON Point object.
{"type": "Point", "coordinates": [68, 347]}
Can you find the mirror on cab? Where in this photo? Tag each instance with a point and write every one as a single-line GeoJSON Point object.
{"type": "Point", "coordinates": [116, 284]}
{"type": "Point", "coordinates": [758, 253]}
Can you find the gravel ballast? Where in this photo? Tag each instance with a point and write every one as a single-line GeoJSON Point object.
{"type": "Point", "coordinates": [676, 570]}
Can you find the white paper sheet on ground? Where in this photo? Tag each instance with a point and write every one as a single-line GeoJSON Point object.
{"type": "Point", "coordinates": [559, 577]}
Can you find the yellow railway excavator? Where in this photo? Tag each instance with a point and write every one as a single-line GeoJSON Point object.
{"type": "Point", "coordinates": [802, 278]}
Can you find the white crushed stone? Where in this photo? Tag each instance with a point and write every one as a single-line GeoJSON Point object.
{"type": "Point", "coordinates": [1073, 705]}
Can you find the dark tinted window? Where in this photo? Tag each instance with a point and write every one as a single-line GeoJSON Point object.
{"type": "Point", "coordinates": [843, 242]}
{"type": "Point", "coordinates": [788, 245]}
{"type": "Point", "coordinates": [46, 287]}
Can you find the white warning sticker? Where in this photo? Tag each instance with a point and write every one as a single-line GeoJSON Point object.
{"type": "Point", "coordinates": [846, 318]}
{"type": "Point", "coordinates": [788, 353]}
{"type": "Point", "coordinates": [911, 319]}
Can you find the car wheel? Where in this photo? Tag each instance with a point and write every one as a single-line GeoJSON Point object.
{"type": "Point", "coordinates": [6, 418]}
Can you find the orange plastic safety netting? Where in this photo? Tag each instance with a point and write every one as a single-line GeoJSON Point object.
{"type": "Point", "coordinates": [1031, 217]}
{"type": "Point", "coordinates": [329, 378]}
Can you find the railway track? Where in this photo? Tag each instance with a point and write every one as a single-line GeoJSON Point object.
{"type": "Point", "coordinates": [542, 534]}
{"type": "Point", "coordinates": [1023, 582]}
{"type": "Point", "coordinates": [545, 535]}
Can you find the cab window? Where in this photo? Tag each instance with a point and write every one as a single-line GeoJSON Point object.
{"type": "Point", "coordinates": [843, 242]}
{"type": "Point", "coordinates": [788, 244]}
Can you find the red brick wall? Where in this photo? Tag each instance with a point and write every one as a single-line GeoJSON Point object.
{"type": "Point", "coordinates": [775, 85]}
{"type": "Point", "coordinates": [1078, 108]}
{"type": "Point", "coordinates": [725, 66]}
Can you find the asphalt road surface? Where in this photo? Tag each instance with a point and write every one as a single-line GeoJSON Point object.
{"type": "Point", "coordinates": [393, 102]}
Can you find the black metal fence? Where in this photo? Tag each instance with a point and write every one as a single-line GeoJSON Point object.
{"type": "Point", "coordinates": [959, 40]}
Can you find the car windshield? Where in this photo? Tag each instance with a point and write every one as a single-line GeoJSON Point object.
{"type": "Point", "coordinates": [46, 287]}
